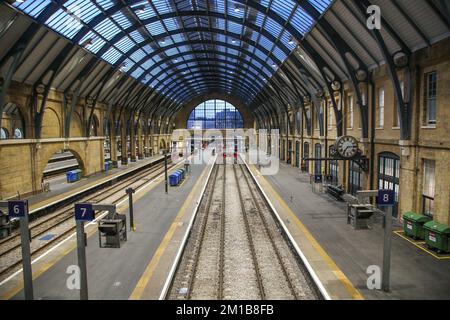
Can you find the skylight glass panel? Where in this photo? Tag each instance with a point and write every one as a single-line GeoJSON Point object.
{"type": "Point", "coordinates": [137, 73]}
{"type": "Point", "coordinates": [112, 55]}
{"type": "Point", "coordinates": [234, 27]}
{"type": "Point", "coordinates": [147, 64]}
{"type": "Point", "coordinates": [155, 28]}
{"type": "Point", "coordinates": [147, 48]}
{"type": "Point", "coordinates": [64, 23]}
{"type": "Point", "coordinates": [96, 42]}
{"type": "Point", "coordinates": [143, 10]}
{"type": "Point", "coordinates": [121, 20]}
{"type": "Point", "coordinates": [138, 55]}
{"type": "Point", "coordinates": [83, 9]}
{"type": "Point", "coordinates": [162, 6]}
{"type": "Point", "coordinates": [259, 19]}
{"type": "Point", "coordinates": [320, 5]}
{"type": "Point", "coordinates": [107, 29]}
{"type": "Point", "coordinates": [171, 24]}
{"type": "Point", "coordinates": [171, 52]}
{"type": "Point", "coordinates": [105, 4]}
{"type": "Point", "coordinates": [137, 36]}
{"type": "Point", "coordinates": [32, 7]}
{"type": "Point", "coordinates": [279, 54]}
{"type": "Point", "coordinates": [220, 24]}
{"type": "Point", "coordinates": [302, 21]}
{"type": "Point", "coordinates": [265, 43]}
{"type": "Point", "coordinates": [125, 44]}
{"type": "Point", "coordinates": [283, 7]}
{"type": "Point", "coordinates": [273, 28]}
{"type": "Point", "coordinates": [154, 71]}
{"type": "Point", "coordinates": [127, 65]}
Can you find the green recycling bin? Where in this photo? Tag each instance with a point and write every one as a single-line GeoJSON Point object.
{"type": "Point", "coordinates": [78, 172]}
{"type": "Point", "coordinates": [437, 236]}
{"type": "Point", "coordinates": [413, 224]}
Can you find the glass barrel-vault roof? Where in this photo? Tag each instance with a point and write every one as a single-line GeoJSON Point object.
{"type": "Point", "coordinates": [164, 43]}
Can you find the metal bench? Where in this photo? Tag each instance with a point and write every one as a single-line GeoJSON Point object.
{"type": "Point", "coordinates": [336, 192]}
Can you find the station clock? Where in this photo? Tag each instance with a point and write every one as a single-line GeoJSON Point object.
{"type": "Point", "coordinates": [347, 146]}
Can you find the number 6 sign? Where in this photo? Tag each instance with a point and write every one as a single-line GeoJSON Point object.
{"type": "Point", "coordinates": [386, 198]}
{"type": "Point", "coordinates": [84, 212]}
{"type": "Point", "coordinates": [17, 209]}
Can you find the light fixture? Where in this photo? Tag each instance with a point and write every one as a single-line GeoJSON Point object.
{"type": "Point", "coordinates": [20, 1]}
{"type": "Point", "coordinates": [163, 41]}
{"type": "Point", "coordinates": [274, 65]}
{"type": "Point", "coordinates": [237, 8]}
{"type": "Point", "coordinates": [233, 41]}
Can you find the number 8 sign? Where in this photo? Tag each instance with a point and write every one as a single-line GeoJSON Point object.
{"type": "Point", "coordinates": [84, 212]}
{"type": "Point", "coordinates": [386, 198]}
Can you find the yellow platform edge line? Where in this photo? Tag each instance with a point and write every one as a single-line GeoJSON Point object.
{"type": "Point", "coordinates": [45, 266]}
{"type": "Point", "coordinates": [151, 267]}
{"type": "Point", "coordinates": [355, 294]}
{"type": "Point", "coordinates": [399, 233]}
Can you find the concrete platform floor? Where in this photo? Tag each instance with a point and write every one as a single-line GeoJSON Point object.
{"type": "Point", "coordinates": [415, 274]}
{"type": "Point", "coordinates": [114, 273]}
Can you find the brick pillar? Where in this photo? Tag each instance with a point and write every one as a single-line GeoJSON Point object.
{"type": "Point", "coordinates": [140, 144]}
{"type": "Point", "coordinates": [133, 144]}
{"type": "Point", "coordinates": [123, 137]}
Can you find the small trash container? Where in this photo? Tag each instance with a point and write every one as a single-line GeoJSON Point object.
{"type": "Point", "coordinates": [71, 176]}
{"type": "Point", "coordinates": [173, 180]}
{"type": "Point", "coordinates": [183, 173]}
{"type": "Point", "coordinates": [413, 224]}
{"type": "Point", "coordinates": [78, 174]}
{"type": "Point", "coordinates": [106, 166]}
{"type": "Point", "coordinates": [437, 236]}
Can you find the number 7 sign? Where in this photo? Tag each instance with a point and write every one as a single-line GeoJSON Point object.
{"type": "Point", "coordinates": [84, 212]}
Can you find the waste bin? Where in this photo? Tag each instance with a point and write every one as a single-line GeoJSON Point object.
{"type": "Point", "coordinates": [106, 166]}
{"type": "Point", "coordinates": [71, 176]}
{"type": "Point", "coordinates": [115, 164]}
{"type": "Point", "coordinates": [437, 236]}
{"type": "Point", "coordinates": [413, 224]}
{"type": "Point", "coordinates": [183, 173]}
{"type": "Point", "coordinates": [173, 180]}
{"type": "Point", "coordinates": [78, 174]}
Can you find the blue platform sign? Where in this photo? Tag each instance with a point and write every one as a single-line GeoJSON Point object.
{"type": "Point", "coordinates": [386, 198]}
{"type": "Point", "coordinates": [317, 178]}
{"type": "Point", "coordinates": [84, 212]}
{"type": "Point", "coordinates": [17, 208]}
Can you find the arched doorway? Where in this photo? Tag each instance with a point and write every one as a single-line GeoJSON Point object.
{"type": "Point", "coordinates": [62, 161]}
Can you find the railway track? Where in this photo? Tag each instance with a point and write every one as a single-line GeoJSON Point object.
{"type": "Point", "coordinates": [236, 249]}
{"type": "Point", "coordinates": [61, 222]}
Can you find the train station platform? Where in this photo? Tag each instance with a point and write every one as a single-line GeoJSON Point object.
{"type": "Point", "coordinates": [341, 255]}
{"type": "Point", "coordinates": [61, 189]}
{"type": "Point", "coordinates": [118, 273]}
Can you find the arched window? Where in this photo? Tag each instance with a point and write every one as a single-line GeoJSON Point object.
{"type": "Point", "coordinates": [18, 134]}
{"type": "Point", "coordinates": [3, 134]}
{"type": "Point", "coordinates": [215, 114]}
{"type": "Point", "coordinates": [389, 174]}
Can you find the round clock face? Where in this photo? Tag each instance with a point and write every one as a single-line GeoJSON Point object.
{"type": "Point", "coordinates": [347, 146]}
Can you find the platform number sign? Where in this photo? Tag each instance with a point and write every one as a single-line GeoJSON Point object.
{"type": "Point", "coordinates": [84, 212]}
{"type": "Point", "coordinates": [17, 209]}
{"type": "Point", "coordinates": [386, 198]}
